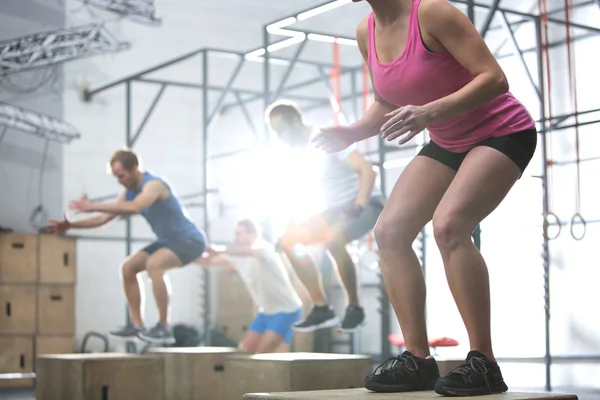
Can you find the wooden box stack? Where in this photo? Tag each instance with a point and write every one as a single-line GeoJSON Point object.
{"type": "Point", "coordinates": [37, 300]}
{"type": "Point", "coordinates": [236, 309]}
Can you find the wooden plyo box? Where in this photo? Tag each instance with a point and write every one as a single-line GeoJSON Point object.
{"type": "Point", "coordinates": [445, 366]}
{"type": "Point", "coordinates": [99, 376]}
{"type": "Point", "coordinates": [194, 372]}
{"type": "Point", "coordinates": [363, 394]}
{"type": "Point", "coordinates": [284, 372]}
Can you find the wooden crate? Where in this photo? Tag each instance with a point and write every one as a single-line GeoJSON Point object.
{"type": "Point", "coordinates": [57, 260]}
{"type": "Point", "coordinates": [17, 309]}
{"type": "Point", "coordinates": [56, 310]}
{"type": "Point", "coordinates": [283, 372]}
{"type": "Point", "coordinates": [18, 258]}
{"type": "Point", "coordinates": [16, 357]}
{"type": "Point", "coordinates": [99, 376]}
{"type": "Point", "coordinates": [363, 394]}
{"type": "Point", "coordinates": [194, 372]}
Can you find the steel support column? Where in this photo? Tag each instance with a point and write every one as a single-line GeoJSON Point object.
{"type": "Point", "coordinates": [226, 91]}
{"type": "Point", "coordinates": [490, 17]}
{"type": "Point", "coordinates": [149, 113]}
{"type": "Point", "coordinates": [288, 72]}
{"type": "Point", "coordinates": [515, 43]}
{"type": "Point", "coordinates": [545, 207]}
{"type": "Point", "coordinates": [205, 131]}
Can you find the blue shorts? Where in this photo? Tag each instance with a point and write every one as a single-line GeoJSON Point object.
{"type": "Point", "coordinates": [186, 249]}
{"type": "Point", "coordinates": [280, 323]}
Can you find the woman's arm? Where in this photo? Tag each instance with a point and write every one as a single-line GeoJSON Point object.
{"type": "Point", "coordinates": [370, 124]}
{"type": "Point", "coordinates": [454, 31]}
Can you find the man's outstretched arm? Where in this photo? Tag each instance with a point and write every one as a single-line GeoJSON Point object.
{"type": "Point", "coordinates": [150, 193]}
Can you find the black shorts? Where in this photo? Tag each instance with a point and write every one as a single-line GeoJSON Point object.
{"type": "Point", "coordinates": [186, 249]}
{"type": "Point", "coordinates": [355, 229]}
{"type": "Point", "coordinates": [519, 147]}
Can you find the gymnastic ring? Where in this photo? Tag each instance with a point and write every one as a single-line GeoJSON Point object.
{"type": "Point", "coordinates": [557, 223]}
{"type": "Point", "coordinates": [578, 217]}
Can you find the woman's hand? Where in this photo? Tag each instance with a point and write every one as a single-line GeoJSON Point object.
{"type": "Point", "coordinates": [407, 120]}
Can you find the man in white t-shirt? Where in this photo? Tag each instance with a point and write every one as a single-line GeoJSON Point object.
{"type": "Point", "coordinates": [268, 282]}
{"type": "Point", "coordinates": [353, 203]}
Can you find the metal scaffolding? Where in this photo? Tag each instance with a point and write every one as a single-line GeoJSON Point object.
{"type": "Point", "coordinates": [243, 96]}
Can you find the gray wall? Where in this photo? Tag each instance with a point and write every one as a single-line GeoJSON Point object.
{"type": "Point", "coordinates": [21, 154]}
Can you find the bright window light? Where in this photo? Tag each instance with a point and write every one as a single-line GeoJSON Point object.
{"type": "Point", "coordinates": [300, 37]}
{"type": "Point", "coordinates": [322, 9]}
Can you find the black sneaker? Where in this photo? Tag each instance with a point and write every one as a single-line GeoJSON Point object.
{"type": "Point", "coordinates": [319, 318]}
{"type": "Point", "coordinates": [354, 318]}
{"type": "Point", "coordinates": [405, 373]}
{"type": "Point", "coordinates": [129, 331]}
{"type": "Point", "coordinates": [478, 376]}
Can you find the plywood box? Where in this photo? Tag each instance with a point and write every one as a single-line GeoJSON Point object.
{"type": "Point", "coordinates": [16, 357]}
{"type": "Point", "coordinates": [56, 310]}
{"type": "Point", "coordinates": [18, 258]}
{"type": "Point", "coordinates": [194, 372]}
{"type": "Point", "coordinates": [54, 345]}
{"type": "Point", "coordinates": [57, 260]}
{"type": "Point", "coordinates": [17, 309]}
{"type": "Point", "coordinates": [283, 372]}
{"type": "Point", "coordinates": [363, 394]}
{"type": "Point", "coordinates": [99, 376]}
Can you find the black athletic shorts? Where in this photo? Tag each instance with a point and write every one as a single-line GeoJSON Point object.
{"type": "Point", "coordinates": [186, 249]}
{"type": "Point", "coordinates": [355, 229]}
{"type": "Point", "coordinates": [519, 147]}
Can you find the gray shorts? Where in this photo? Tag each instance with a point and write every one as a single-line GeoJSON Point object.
{"type": "Point", "coordinates": [359, 227]}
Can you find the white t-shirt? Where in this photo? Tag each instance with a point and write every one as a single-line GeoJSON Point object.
{"type": "Point", "coordinates": [267, 280]}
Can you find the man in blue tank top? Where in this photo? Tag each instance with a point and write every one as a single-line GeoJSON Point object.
{"type": "Point", "coordinates": [179, 240]}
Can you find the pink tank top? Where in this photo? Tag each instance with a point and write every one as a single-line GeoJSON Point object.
{"type": "Point", "coordinates": [418, 77]}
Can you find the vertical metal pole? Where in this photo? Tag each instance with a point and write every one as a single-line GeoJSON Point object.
{"type": "Point", "coordinates": [424, 262]}
{"type": "Point", "coordinates": [386, 348]}
{"type": "Point", "coordinates": [471, 10]}
{"type": "Point", "coordinates": [267, 81]}
{"type": "Point", "coordinates": [205, 125]}
{"type": "Point", "coordinates": [545, 203]}
{"type": "Point", "coordinates": [355, 105]}
{"type": "Point", "coordinates": [128, 143]}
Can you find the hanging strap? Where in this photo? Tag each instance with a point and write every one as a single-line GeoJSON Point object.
{"type": "Point", "coordinates": [577, 219]}
{"type": "Point", "coordinates": [550, 218]}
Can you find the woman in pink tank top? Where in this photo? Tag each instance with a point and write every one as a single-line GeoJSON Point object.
{"type": "Point", "coordinates": [431, 69]}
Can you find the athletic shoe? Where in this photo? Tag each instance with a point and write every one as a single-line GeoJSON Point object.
{"type": "Point", "coordinates": [129, 331]}
{"type": "Point", "coordinates": [354, 318]}
{"type": "Point", "coordinates": [159, 334]}
{"type": "Point", "coordinates": [319, 318]}
{"type": "Point", "coordinates": [405, 373]}
{"type": "Point", "coordinates": [477, 376]}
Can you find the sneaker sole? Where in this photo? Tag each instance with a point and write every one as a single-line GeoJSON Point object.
{"type": "Point", "coordinates": [112, 335]}
{"type": "Point", "coordinates": [330, 323]}
{"type": "Point", "coordinates": [375, 387]}
{"type": "Point", "coordinates": [480, 391]}
{"type": "Point", "coordinates": [157, 340]}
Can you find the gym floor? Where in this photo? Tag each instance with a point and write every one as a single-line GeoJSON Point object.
{"type": "Point", "coordinates": [583, 394]}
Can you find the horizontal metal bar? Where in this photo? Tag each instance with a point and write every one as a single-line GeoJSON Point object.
{"type": "Point", "coordinates": [182, 197]}
{"type": "Point", "coordinates": [575, 161]}
{"type": "Point", "coordinates": [559, 128]}
{"type": "Point", "coordinates": [256, 93]}
{"type": "Point", "coordinates": [110, 238]}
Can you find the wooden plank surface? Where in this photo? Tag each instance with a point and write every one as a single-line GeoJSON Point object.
{"type": "Point", "coordinates": [360, 394]}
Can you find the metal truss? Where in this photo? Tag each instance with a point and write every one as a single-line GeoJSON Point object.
{"type": "Point", "coordinates": [37, 124]}
{"type": "Point", "coordinates": [135, 10]}
{"type": "Point", "coordinates": [53, 47]}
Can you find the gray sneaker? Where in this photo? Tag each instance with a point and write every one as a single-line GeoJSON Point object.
{"type": "Point", "coordinates": [127, 332]}
{"type": "Point", "coordinates": [159, 334]}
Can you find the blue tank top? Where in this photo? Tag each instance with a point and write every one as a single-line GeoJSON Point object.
{"type": "Point", "coordinates": [167, 218]}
